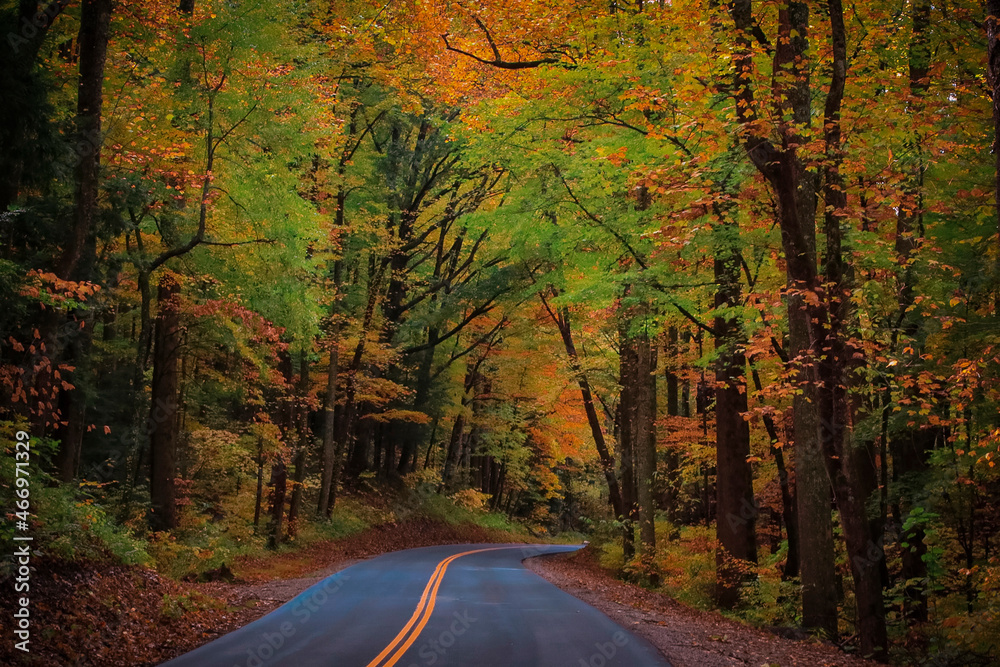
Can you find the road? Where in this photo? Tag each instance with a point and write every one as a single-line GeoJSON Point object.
{"type": "Point", "coordinates": [447, 606]}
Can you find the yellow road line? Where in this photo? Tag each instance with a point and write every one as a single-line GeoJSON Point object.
{"type": "Point", "coordinates": [423, 611]}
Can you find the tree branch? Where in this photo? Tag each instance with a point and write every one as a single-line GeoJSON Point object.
{"type": "Point", "coordinates": [499, 62]}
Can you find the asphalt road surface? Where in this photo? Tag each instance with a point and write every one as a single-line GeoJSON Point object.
{"type": "Point", "coordinates": [449, 606]}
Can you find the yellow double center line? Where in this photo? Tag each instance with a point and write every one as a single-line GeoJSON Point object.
{"type": "Point", "coordinates": [422, 614]}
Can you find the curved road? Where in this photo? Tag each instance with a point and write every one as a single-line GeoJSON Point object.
{"type": "Point", "coordinates": [459, 605]}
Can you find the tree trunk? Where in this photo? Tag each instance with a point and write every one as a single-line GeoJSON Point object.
{"type": "Point", "coordinates": [671, 479]}
{"type": "Point", "coordinates": [260, 484]}
{"type": "Point", "coordinates": [454, 454]}
{"type": "Point", "coordinates": [72, 408]}
{"type": "Point", "coordinates": [670, 372]}
{"type": "Point", "coordinates": [163, 406]}
{"type": "Point", "coordinates": [95, 20]}
{"type": "Point", "coordinates": [627, 406]}
{"type": "Point", "coordinates": [993, 78]}
{"type": "Point", "coordinates": [332, 454]}
{"type": "Point", "coordinates": [789, 513]}
{"type": "Point", "coordinates": [849, 463]}
{"type": "Point", "coordinates": [279, 470]}
{"type": "Point", "coordinates": [278, 484]}
{"type": "Point", "coordinates": [301, 455]}
{"type": "Point", "coordinates": [645, 447]}
{"type": "Point", "coordinates": [910, 449]}
{"type": "Point", "coordinates": [564, 324]}
{"type": "Point", "coordinates": [736, 510]}
{"type": "Point", "coordinates": [413, 435]}
{"type": "Point", "coordinates": [795, 192]}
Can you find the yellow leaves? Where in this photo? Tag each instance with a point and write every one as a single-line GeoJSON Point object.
{"type": "Point", "coordinates": [412, 416]}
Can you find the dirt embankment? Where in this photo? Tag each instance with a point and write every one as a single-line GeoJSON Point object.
{"type": "Point", "coordinates": [686, 636]}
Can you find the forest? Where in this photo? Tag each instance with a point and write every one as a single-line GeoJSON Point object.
{"type": "Point", "coordinates": [715, 286]}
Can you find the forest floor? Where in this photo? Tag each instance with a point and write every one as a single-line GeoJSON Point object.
{"type": "Point", "coordinates": [92, 614]}
{"type": "Point", "coordinates": [687, 637]}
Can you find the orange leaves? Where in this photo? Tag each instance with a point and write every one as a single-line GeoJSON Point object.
{"type": "Point", "coordinates": [618, 157]}
{"type": "Point", "coordinates": [50, 290]}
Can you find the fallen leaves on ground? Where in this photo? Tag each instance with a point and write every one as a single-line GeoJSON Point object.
{"type": "Point", "coordinates": [686, 636]}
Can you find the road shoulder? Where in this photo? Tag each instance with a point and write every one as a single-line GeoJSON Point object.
{"type": "Point", "coordinates": [686, 637]}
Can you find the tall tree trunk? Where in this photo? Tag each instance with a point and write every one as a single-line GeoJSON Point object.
{"type": "Point", "coordinates": [279, 469]}
{"type": "Point", "coordinates": [670, 372]}
{"type": "Point", "coordinates": [789, 513]}
{"type": "Point", "coordinates": [910, 449]}
{"type": "Point", "coordinates": [72, 407]}
{"type": "Point", "coordinates": [795, 192]}
{"type": "Point", "coordinates": [849, 464]}
{"type": "Point", "coordinates": [564, 324]}
{"type": "Point", "coordinates": [332, 453]}
{"type": "Point", "coordinates": [993, 78]}
{"type": "Point", "coordinates": [279, 487]}
{"type": "Point", "coordinates": [260, 484]}
{"type": "Point", "coordinates": [412, 436]}
{"type": "Point", "coordinates": [302, 452]}
{"type": "Point", "coordinates": [627, 406]}
{"type": "Point", "coordinates": [454, 453]}
{"type": "Point", "coordinates": [671, 479]}
{"type": "Point", "coordinates": [95, 20]}
{"type": "Point", "coordinates": [645, 446]}
{"type": "Point", "coordinates": [350, 389]}
{"type": "Point", "coordinates": [164, 407]}
{"type": "Point", "coordinates": [736, 511]}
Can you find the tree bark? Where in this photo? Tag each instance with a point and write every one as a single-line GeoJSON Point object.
{"type": "Point", "coordinates": [302, 452]}
{"type": "Point", "coordinates": [260, 483]}
{"type": "Point", "coordinates": [789, 513]}
{"type": "Point", "coordinates": [332, 454]}
{"type": "Point", "coordinates": [164, 406]}
{"type": "Point", "coordinates": [992, 24]}
{"type": "Point", "coordinates": [910, 449]}
{"type": "Point", "coordinates": [645, 447]}
{"type": "Point", "coordinates": [279, 470]}
{"type": "Point", "coordinates": [736, 511]}
{"type": "Point", "coordinates": [807, 314]}
{"type": "Point", "coordinates": [849, 464]}
{"type": "Point", "coordinates": [279, 486]}
{"type": "Point", "coordinates": [95, 20]}
{"type": "Point", "coordinates": [627, 407]}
